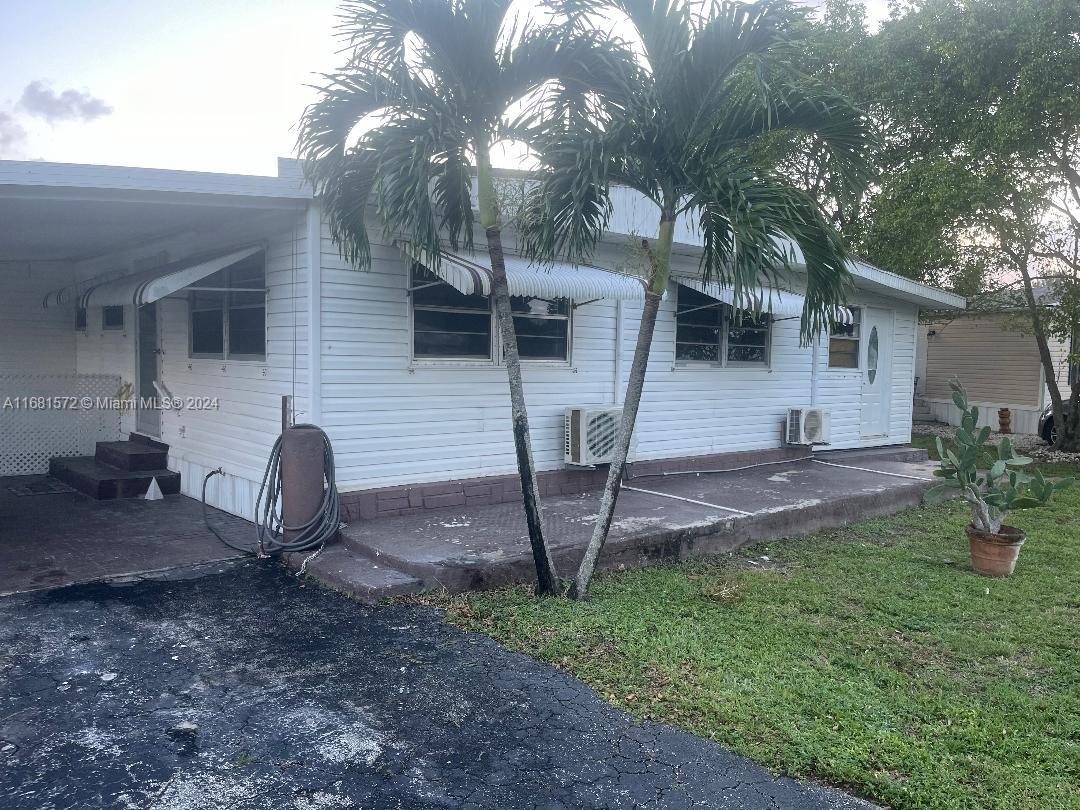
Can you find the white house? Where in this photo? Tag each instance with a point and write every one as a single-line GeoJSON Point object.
{"type": "Point", "coordinates": [225, 293]}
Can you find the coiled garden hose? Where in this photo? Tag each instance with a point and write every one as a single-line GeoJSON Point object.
{"type": "Point", "coordinates": [312, 535]}
{"type": "Point", "coordinates": [308, 536]}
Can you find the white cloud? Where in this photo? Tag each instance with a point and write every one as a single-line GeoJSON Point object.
{"type": "Point", "coordinates": [12, 133]}
{"type": "Point", "coordinates": [40, 100]}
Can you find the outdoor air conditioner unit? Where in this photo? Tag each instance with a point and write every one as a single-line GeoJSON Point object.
{"type": "Point", "coordinates": [590, 434]}
{"type": "Point", "coordinates": [807, 426]}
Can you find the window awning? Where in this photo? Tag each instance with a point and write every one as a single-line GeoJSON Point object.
{"type": "Point", "coordinates": [148, 286]}
{"type": "Point", "coordinates": [471, 274]}
{"type": "Point", "coordinates": [775, 302]}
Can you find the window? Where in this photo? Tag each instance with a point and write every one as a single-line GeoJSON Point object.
{"type": "Point", "coordinates": [228, 312]}
{"type": "Point", "coordinates": [844, 343]}
{"type": "Point", "coordinates": [699, 322]}
{"type": "Point", "coordinates": [112, 318]}
{"type": "Point", "coordinates": [80, 319]}
{"type": "Point", "coordinates": [450, 325]}
{"type": "Point", "coordinates": [748, 338]}
{"type": "Point", "coordinates": [542, 327]}
{"type": "Point", "coordinates": [447, 323]}
{"type": "Point", "coordinates": [709, 331]}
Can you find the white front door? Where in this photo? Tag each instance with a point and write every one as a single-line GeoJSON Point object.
{"type": "Point", "coordinates": [877, 335]}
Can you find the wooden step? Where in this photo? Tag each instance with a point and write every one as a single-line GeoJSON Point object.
{"type": "Point", "coordinates": [105, 482]}
{"type": "Point", "coordinates": [132, 456]}
{"type": "Point", "coordinates": [147, 440]}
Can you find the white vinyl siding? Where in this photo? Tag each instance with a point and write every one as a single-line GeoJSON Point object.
{"type": "Point", "coordinates": [239, 433]}
{"type": "Point", "coordinates": [32, 339]}
{"type": "Point", "coordinates": [393, 421]}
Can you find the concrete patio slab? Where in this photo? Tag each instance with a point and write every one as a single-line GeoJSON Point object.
{"type": "Point", "coordinates": [658, 518]}
{"type": "Point", "coordinates": [51, 535]}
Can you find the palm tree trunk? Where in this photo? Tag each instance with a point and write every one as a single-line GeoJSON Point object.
{"type": "Point", "coordinates": [547, 581]}
{"type": "Point", "coordinates": [660, 268]}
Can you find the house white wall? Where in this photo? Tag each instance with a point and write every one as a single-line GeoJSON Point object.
{"type": "Point", "coordinates": [34, 340]}
{"type": "Point", "coordinates": [107, 351]}
{"type": "Point", "coordinates": [393, 421]}
{"type": "Point", "coordinates": [239, 434]}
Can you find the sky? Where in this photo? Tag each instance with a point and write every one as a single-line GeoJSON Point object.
{"type": "Point", "coordinates": [195, 84]}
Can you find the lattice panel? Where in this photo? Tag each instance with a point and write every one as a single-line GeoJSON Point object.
{"type": "Point", "coordinates": [35, 426]}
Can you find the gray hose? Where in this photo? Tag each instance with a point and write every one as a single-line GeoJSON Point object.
{"type": "Point", "coordinates": [206, 517]}
{"type": "Point", "coordinates": [309, 536]}
{"type": "Point", "coordinates": [270, 530]}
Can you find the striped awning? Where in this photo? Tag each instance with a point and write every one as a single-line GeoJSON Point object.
{"type": "Point", "coordinates": [775, 302]}
{"type": "Point", "coordinates": [470, 273]}
{"type": "Point", "coordinates": [148, 286]}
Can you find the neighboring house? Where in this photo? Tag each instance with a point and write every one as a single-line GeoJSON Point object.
{"type": "Point", "coordinates": [996, 360]}
{"type": "Point", "coordinates": [227, 293]}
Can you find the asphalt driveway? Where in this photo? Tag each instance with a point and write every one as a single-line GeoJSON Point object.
{"type": "Point", "coordinates": [248, 689]}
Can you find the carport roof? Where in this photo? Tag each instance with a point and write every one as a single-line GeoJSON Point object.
{"type": "Point", "coordinates": [65, 211]}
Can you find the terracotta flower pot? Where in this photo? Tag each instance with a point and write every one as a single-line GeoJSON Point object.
{"type": "Point", "coordinates": [994, 555]}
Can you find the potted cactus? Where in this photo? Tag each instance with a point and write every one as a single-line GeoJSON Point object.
{"type": "Point", "coordinates": [994, 491]}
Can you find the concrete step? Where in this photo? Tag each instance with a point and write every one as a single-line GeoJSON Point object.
{"type": "Point", "coordinates": [911, 455]}
{"type": "Point", "coordinates": [132, 456]}
{"type": "Point", "coordinates": [425, 565]}
{"type": "Point", "coordinates": [105, 482]}
{"type": "Point", "coordinates": [356, 576]}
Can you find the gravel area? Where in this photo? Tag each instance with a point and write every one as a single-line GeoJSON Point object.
{"type": "Point", "coordinates": [1027, 443]}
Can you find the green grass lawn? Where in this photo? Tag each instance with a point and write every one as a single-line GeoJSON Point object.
{"type": "Point", "coordinates": [870, 657]}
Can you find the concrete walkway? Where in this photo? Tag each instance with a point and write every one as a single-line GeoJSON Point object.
{"type": "Point", "coordinates": [247, 690]}
{"type": "Point", "coordinates": [658, 518]}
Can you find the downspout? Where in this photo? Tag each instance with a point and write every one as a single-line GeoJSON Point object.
{"type": "Point", "coordinates": [314, 313]}
{"type": "Point", "coordinates": [814, 359]}
{"type": "Point", "coordinates": [617, 370]}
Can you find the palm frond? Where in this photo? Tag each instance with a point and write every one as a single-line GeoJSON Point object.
{"type": "Point", "coordinates": [566, 214]}
{"type": "Point", "coordinates": [581, 73]}
{"type": "Point", "coordinates": [751, 224]}
{"type": "Point", "coordinates": [346, 99]}
{"type": "Point", "coordinates": [343, 185]}
{"type": "Point", "coordinates": [421, 178]}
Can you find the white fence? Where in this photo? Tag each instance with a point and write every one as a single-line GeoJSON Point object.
{"type": "Point", "coordinates": [47, 415]}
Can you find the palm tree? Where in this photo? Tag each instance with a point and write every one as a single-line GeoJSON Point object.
{"type": "Point", "coordinates": [713, 85]}
{"type": "Point", "coordinates": [433, 86]}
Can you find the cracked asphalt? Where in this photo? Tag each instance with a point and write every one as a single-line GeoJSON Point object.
{"type": "Point", "coordinates": [249, 689]}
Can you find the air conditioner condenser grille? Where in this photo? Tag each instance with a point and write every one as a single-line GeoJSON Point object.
{"type": "Point", "coordinates": [601, 431]}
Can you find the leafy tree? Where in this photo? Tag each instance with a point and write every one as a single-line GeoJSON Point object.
{"type": "Point", "coordinates": [432, 86]}
{"type": "Point", "coordinates": [713, 81]}
{"type": "Point", "coordinates": [977, 105]}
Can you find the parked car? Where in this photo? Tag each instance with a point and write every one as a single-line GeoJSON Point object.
{"type": "Point", "coordinates": [1046, 423]}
